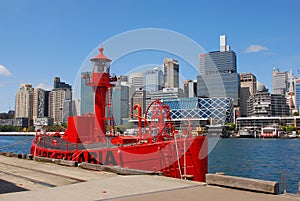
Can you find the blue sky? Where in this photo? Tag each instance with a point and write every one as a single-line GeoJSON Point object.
{"type": "Point", "coordinates": [43, 39]}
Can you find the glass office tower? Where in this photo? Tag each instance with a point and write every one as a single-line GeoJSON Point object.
{"type": "Point", "coordinates": [218, 75]}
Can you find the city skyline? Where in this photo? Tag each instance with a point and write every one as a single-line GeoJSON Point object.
{"type": "Point", "coordinates": [39, 40]}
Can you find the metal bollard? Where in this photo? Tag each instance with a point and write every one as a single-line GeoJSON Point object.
{"type": "Point", "coordinates": [283, 180]}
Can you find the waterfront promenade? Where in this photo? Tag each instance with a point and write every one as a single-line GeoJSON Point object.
{"type": "Point", "coordinates": [22, 179]}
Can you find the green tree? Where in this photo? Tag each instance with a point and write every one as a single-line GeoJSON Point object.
{"type": "Point", "coordinates": [3, 115]}
{"type": "Point", "coordinates": [55, 127]}
{"type": "Point", "coordinates": [283, 127]}
{"type": "Point", "coordinates": [10, 128]}
{"type": "Point", "coordinates": [64, 124]}
{"type": "Point", "coordinates": [122, 128]}
{"type": "Point", "coordinates": [231, 126]}
{"type": "Point", "coordinates": [290, 128]}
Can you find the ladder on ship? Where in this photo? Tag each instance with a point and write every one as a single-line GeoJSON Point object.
{"type": "Point", "coordinates": [167, 162]}
{"type": "Point", "coordinates": [110, 116]}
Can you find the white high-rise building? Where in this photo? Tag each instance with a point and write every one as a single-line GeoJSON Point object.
{"type": "Point", "coordinates": [136, 79]}
{"type": "Point", "coordinates": [280, 82]}
{"type": "Point", "coordinates": [24, 101]}
{"type": "Point", "coordinates": [291, 81]}
{"type": "Point", "coordinates": [60, 104]}
{"type": "Point", "coordinates": [60, 101]}
{"type": "Point", "coordinates": [291, 98]}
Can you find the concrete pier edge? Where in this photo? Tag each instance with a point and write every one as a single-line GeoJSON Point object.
{"type": "Point", "coordinates": [243, 183]}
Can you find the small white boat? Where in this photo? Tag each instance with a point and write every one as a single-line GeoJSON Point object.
{"type": "Point", "coordinates": [269, 132]}
{"type": "Point", "coordinates": [247, 132]}
{"type": "Point", "coordinates": [293, 134]}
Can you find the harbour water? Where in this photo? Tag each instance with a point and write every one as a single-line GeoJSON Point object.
{"type": "Point", "coordinates": [259, 159]}
{"type": "Point", "coordinates": [252, 158]}
{"type": "Point", "coordinates": [16, 144]}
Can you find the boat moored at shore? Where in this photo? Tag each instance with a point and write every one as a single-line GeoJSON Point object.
{"type": "Point", "coordinates": [154, 145]}
{"type": "Point", "coordinates": [270, 132]}
{"type": "Point", "coordinates": [247, 132]}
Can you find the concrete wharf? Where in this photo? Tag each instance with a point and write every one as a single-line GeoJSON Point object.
{"type": "Point", "coordinates": [22, 179]}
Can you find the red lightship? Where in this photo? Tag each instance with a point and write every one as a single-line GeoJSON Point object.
{"type": "Point", "coordinates": [156, 147]}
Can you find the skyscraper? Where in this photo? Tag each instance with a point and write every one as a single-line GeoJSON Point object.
{"type": "Point", "coordinates": [297, 94]}
{"type": "Point", "coordinates": [60, 85]}
{"type": "Point", "coordinates": [86, 95]}
{"type": "Point", "coordinates": [248, 88]}
{"type": "Point", "coordinates": [138, 97]}
{"type": "Point", "coordinates": [122, 79]}
{"type": "Point", "coordinates": [189, 88]}
{"type": "Point", "coordinates": [120, 101]}
{"type": "Point", "coordinates": [218, 75]}
{"type": "Point", "coordinates": [153, 79]}
{"type": "Point", "coordinates": [280, 82]}
{"type": "Point", "coordinates": [60, 104]}
{"type": "Point", "coordinates": [171, 73]}
{"type": "Point", "coordinates": [291, 98]}
{"type": "Point", "coordinates": [24, 101]}
{"type": "Point", "coordinates": [264, 104]}
{"type": "Point", "coordinates": [76, 107]}
{"type": "Point", "coordinates": [40, 103]}
{"type": "Point", "coordinates": [136, 79]}
{"type": "Point", "coordinates": [166, 93]}
{"type": "Point", "coordinates": [60, 101]}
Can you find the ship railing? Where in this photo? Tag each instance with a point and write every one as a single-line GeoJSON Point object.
{"type": "Point", "coordinates": [48, 141]}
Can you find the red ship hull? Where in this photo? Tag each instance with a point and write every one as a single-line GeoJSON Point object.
{"type": "Point", "coordinates": [174, 158]}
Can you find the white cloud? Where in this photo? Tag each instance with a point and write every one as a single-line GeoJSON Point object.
{"type": "Point", "coordinates": [256, 48]}
{"type": "Point", "coordinates": [44, 86]}
{"type": "Point", "coordinates": [4, 71]}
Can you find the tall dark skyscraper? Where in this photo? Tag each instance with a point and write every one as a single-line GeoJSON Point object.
{"type": "Point", "coordinates": [60, 85]}
{"type": "Point", "coordinates": [218, 75]}
{"type": "Point", "coordinates": [40, 103]}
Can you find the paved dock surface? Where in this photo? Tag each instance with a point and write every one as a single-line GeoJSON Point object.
{"type": "Point", "coordinates": [30, 180]}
